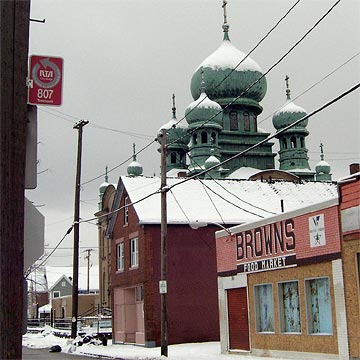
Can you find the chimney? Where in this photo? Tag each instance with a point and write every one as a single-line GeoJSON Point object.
{"type": "Point", "coordinates": [354, 168]}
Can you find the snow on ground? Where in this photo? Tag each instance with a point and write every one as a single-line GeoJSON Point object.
{"type": "Point", "coordinates": [198, 351]}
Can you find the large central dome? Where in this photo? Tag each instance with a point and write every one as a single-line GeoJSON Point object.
{"type": "Point", "coordinates": [219, 66]}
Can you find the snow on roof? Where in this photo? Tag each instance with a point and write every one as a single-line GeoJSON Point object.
{"type": "Point", "coordinates": [237, 201]}
{"type": "Point", "coordinates": [243, 173]}
{"type": "Point", "coordinates": [204, 102]}
{"type": "Point", "coordinates": [290, 107]}
{"type": "Point", "coordinates": [227, 56]}
{"type": "Point", "coordinates": [54, 273]}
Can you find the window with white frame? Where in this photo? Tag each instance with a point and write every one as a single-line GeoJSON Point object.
{"type": "Point", "coordinates": [264, 308]}
{"type": "Point", "coordinates": [134, 252]}
{"type": "Point", "coordinates": [289, 307]}
{"type": "Point", "coordinates": [120, 256]}
{"type": "Point", "coordinates": [56, 294]}
{"type": "Point", "coordinates": [318, 306]}
{"type": "Point", "coordinates": [126, 211]}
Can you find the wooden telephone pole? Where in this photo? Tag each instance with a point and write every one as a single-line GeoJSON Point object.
{"type": "Point", "coordinates": [14, 42]}
{"type": "Point", "coordinates": [75, 288]}
{"type": "Point", "coordinates": [163, 280]}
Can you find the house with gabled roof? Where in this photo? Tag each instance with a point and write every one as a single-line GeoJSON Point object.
{"type": "Point", "coordinates": [195, 210]}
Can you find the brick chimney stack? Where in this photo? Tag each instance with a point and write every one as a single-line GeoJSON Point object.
{"type": "Point", "coordinates": [354, 168]}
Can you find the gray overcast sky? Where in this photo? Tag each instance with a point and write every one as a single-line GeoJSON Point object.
{"type": "Point", "coordinates": [123, 60]}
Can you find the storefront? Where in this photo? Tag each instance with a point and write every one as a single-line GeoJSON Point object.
{"type": "Point", "coordinates": [281, 289]}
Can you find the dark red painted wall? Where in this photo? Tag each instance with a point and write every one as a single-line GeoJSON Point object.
{"type": "Point", "coordinates": [192, 278]}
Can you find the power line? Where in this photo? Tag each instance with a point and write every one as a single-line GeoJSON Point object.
{"type": "Point", "coordinates": [256, 46]}
{"type": "Point", "coordinates": [262, 76]}
{"type": "Point", "coordinates": [30, 270]}
{"type": "Point", "coordinates": [312, 86]}
{"type": "Point", "coordinates": [170, 187]}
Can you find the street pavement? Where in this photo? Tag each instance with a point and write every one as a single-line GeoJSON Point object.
{"type": "Point", "coordinates": [44, 354]}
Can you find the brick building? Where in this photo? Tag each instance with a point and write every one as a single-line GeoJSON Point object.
{"type": "Point", "coordinates": [134, 234]}
{"type": "Point", "coordinates": [290, 283]}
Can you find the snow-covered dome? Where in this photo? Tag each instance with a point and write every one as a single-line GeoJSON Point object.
{"type": "Point", "coordinates": [204, 111]}
{"type": "Point", "coordinates": [134, 168]}
{"type": "Point", "coordinates": [175, 131]}
{"type": "Point", "coordinates": [223, 82]}
{"type": "Point", "coordinates": [211, 161]}
{"type": "Point", "coordinates": [105, 184]}
{"type": "Point", "coordinates": [289, 113]}
{"type": "Point", "coordinates": [322, 167]}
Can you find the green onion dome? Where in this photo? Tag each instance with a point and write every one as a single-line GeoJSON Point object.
{"type": "Point", "coordinates": [226, 79]}
{"type": "Point", "coordinates": [289, 113]}
{"type": "Point", "coordinates": [204, 111]}
{"type": "Point", "coordinates": [134, 168]}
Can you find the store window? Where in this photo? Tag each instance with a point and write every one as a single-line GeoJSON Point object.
{"type": "Point", "coordinates": [318, 306]}
{"type": "Point", "coordinates": [264, 308]}
{"type": "Point", "coordinates": [134, 253]}
{"type": "Point", "coordinates": [289, 307]}
{"type": "Point", "coordinates": [120, 256]}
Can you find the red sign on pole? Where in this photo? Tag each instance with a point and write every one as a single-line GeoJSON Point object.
{"type": "Point", "coordinates": [45, 85]}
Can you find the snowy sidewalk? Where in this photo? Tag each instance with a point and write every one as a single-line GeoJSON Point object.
{"type": "Point", "coordinates": [196, 351]}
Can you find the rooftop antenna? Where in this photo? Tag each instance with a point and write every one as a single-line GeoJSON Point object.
{"type": "Point", "coordinates": [287, 87]}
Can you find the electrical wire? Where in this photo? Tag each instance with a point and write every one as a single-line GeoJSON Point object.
{"type": "Point", "coordinates": [311, 87]}
{"type": "Point", "coordinates": [253, 49]}
{"type": "Point", "coordinates": [228, 191]}
{"type": "Point", "coordinates": [262, 76]}
{"type": "Point", "coordinates": [32, 269]}
{"type": "Point", "coordinates": [169, 188]}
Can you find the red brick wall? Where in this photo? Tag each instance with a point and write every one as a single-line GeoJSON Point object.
{"type": "Point", "coordinates": [227, 250]}
{"type": "Point", "coordinates": [350, 195]}
{"type": "Point", "coordinates": [192, 278]}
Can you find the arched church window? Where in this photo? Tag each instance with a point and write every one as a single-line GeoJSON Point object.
{"type": "Point", "coordinates": [233, 121]}
{"type": "Point", "coordinates": [284, 143]}
{"type": "Point", "coordinates": [173, 157]}
{"type": "Point", "coordinates": [293, 142]}
{"type": "Point", "coordinates": [194, 139]}
{"type": "Point", "coordinates": [246, 121]}
{"type": "Point", "coordinates": [182, 159]}
{"type": "Point", "coordinates": [213, 138]}
{"type": "Point", "coordinates": [255, 123]}
{"type": "Point", "coordinates": [204, 137]}
{"type": "Point", "coordinates": [302, 142]}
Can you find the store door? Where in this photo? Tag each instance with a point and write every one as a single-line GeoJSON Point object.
{"type": "Point", "coordinates": [238, 319]}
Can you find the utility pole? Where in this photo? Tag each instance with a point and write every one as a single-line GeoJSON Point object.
{"type": "Point", "coordinates": [163, 280]}
{"type": "Point", "coordinates": [88, 267]}
{"type": "Point", "coordinates": [14, 43]}
{"type": "Point", "coordinates": [75, 288]}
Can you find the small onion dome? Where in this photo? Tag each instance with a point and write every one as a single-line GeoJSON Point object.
{"type": "Point", "coordinates": [203, 109]}
{"type": "Point", "coordinates": [223, 82]}
{"type": "Point", "coordinates": [175, 131]}
{"type": "Point", "coordinates": [211, 161]}
{"type": "Point", "coordinates": [134, 168]}
{"type": "Point", "coordinates": [289, 113]}
{"type": "Point", "coordinates": [322, 167]}
{"type": "Point", "coordinates": [105, 184]}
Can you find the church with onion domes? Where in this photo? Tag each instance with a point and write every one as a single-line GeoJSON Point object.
{"type": "Point", "coordinates": [222, 123]}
